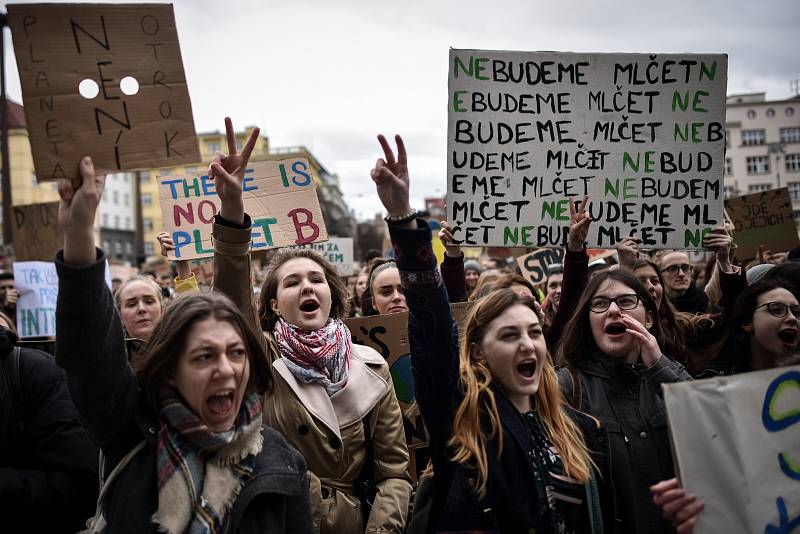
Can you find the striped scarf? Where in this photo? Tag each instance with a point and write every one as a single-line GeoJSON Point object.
{"type": "Point", "coordinates": [321, 356]}
{"type": "Point", "coordinates": [200, 472]}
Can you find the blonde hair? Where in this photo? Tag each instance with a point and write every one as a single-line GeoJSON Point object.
{"type": "Point", "coordinates": [469, 439]}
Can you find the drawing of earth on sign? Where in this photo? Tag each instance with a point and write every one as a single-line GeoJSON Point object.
{"type": "Point", "coordinates": [403, 380]}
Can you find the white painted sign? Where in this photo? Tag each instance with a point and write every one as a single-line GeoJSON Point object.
{"type": "Point", "coordinates": [737, 444]}
{"type": "Point", "coordinates": [37, 283]}
{"type": "Point", "coordinates": [338, 251]}
{"type": "Point", "coordinates": [642, 135]}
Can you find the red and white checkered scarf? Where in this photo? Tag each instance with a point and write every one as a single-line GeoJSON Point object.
{"type": "Point", "coordinates": [321, 356]}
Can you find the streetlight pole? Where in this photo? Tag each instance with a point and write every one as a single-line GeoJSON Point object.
{"type": "Point", "coordinates": [6, 170]}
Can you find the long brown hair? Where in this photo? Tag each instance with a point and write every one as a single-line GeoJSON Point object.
{"type": "Point", "coordinates": [577, 341]}
{"type": "Point", "coordinates": [269, 290]}
{"type": "Point", "coordinates": [469, 438]}
{"type": "Point", "coordinates": [680, 329]}
{"type": "Point", "coordinates": [161, 352]}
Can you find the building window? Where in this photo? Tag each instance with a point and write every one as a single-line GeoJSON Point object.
{"type": "Point", "coordinates": [147, 223]}
{"type": "Point", "coordinates": [789, 112]}
{"type": "Point", "coordinates": [128, 249]}
{"type": "Point", "coordinates": [751, 114]}
{"type": "Point", "coordinates": [212, 147]}
{"type": "Point", "coordinates": [147, 200]}
{"type": "Point", "coordinates": [144, 178]}
{"type": "Point", "coordinates": [794, 190]}
{"type": "Point", "coordinates": [107, 246]}
{"type": "Point", "coordinates": [127, 223]}
{"type": "Point", "coordinates": [729, 191]}
{"type": "Point", "coordinates": [115, 197]}
{"type": "Point", "coordinates": [792, 162]}
{"type": "Point", "coordinates": [105, 220]}
{"type": "Point", "coordinates": [770, 112]}
{"type": "Point", "coordinates": [149, 248]}
{"type": "Point", "coordinates": [116, 221]}
{"type": "Point", "coordinates": [759, 188]}
{"type": "Point", "coordinates": [727, 135]}
{"type": "Point", "coordinates": [117, 248]}
{"type": "Point", "coordinates": [728, 167]}
{"type": "Point", "coordinates": [126, 200]}
{"type": "Point", "coordinates": [757, 164]}
{"type": "Point", "coordinates": [753, 137]}
{"type": "Point", "coordinates": [790, 135]}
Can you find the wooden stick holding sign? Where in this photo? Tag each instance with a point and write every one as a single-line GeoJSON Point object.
{"type": "Point", "coordinates": [279, 196]}
{"type": "Point", "coordinates": [106, 81]}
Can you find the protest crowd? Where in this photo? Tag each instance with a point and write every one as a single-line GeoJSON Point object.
{"type": "Point", "coordinates": [464, 393]}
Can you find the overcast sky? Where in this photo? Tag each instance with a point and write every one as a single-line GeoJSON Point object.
{"type": "Point", "coordinates": [330, 75]}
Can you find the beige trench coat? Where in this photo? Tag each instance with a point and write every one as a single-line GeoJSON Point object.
{"type": "Point", "coordinates": [328, 431]}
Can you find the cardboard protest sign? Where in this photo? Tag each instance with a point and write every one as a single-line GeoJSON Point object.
{"type": "Point", "coordinates": [37, 234]}
{"type": "Point", "coordinates": [388, 335]}
{"type": "Point", "coordinates": [642, 135]}
{"type": "Point", "coordinates": [103, 80]}
{"type": "Point", "coordinates": [37, 283]}
{"type": "Point", "coordinates": [460, 311]}
{"type": "Point", "coordinates": [279, 196]}
{"type": "Point", "coordinates": [737, 444]}
{"type": "Point", "coordinates": [762, 219]}
{"type": "Point", "coordinates": [338, 251]}
{"type": "Point", "coordinates": [534, 265]}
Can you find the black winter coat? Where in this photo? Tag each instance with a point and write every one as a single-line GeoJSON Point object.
{"type": "Point", "coordinates": [629, 402]}
{"type": "Point", "coordinates": [90, 346]}
{"type": "Point", "coordinates": [511, 502]}
{"type": "Point", "coordinates": [48, 463]}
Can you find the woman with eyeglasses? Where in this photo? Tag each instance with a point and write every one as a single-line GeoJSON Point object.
{"type": "Point", "coordinates": [763, 330]}
{"type": "Point", "coordinates": [614, 372]}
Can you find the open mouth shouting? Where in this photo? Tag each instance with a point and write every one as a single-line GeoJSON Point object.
{"type": "Point", "coordinates": [788, 337]}
{"type": "Point", "coordinates": [220, 404]}
{"type": "Point", "coordinates": [309, 307]}
{"type": "Point", "coordinates": [527, 368]}
{"type": "Point", "coordinates": [615, 330]}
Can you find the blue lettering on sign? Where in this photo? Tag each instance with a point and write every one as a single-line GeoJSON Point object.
{"type": "Point", "coordinates": [775, 422]}
{"type": "Point", "coordinates": [784, 525]}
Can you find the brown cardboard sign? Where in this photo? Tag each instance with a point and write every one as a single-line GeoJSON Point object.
{"type": "Point", "coordinates": [460, 310]}
{"type": "Point", "coordinates": [106, 81]}
{"type": "Point", "coordinates": [388, 335]}
{"type": "Point", "coordinates": [534, 265]}
{"type": "Point", "coordinates": [762, 219]}
{"type": "Point", "coordinates": [37, 234]}
{"type": "Point", "coordinates": [278, 195]}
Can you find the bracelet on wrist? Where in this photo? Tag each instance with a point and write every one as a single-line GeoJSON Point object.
{"type": "Point", "coordinates": [401, 219]}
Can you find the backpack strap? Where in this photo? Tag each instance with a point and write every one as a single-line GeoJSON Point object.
{"type": "Point", "coordinates": [97, 524]}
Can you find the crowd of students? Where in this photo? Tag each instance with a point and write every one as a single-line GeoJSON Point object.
{"type": "Point", "coordinates": [254, 411]}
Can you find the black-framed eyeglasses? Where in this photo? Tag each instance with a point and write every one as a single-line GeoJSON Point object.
{"type": "Point", "coordinates": [623, 302]}
{"type": "Point", "coordinates": [673, 269]}
{"type": "Point", "coordinates": [779, 309]}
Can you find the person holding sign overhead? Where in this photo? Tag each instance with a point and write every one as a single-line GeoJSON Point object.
{"type": "Point", "coordinates": [508, 453]}
{"type": "Point", "coordinates": [333, 400]}
{"type": "Point", "coordinates": [184, 434]}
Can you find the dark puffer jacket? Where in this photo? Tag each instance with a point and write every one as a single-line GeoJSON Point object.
{"type": "Point", "coordinates": [628, 401]}
{"type": "Point", "coordinates": [48, 463]}
{"type": "Point", "coordinates": [90, 346]}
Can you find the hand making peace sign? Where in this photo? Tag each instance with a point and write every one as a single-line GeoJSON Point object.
{"type": "Point", "coordinates": [227, 173]}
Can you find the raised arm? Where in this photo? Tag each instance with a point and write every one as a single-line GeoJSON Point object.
{"type": "Point", "coordinates": [90, 344]}
{"type": "Point", "coordinates": [452, 268]}
{"type": "Point", "coordinates": [576, 271]}
{"type": "Point", "coordinates": [432, 332]}
{"type": "Point", "coordinates": [231, 232]}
